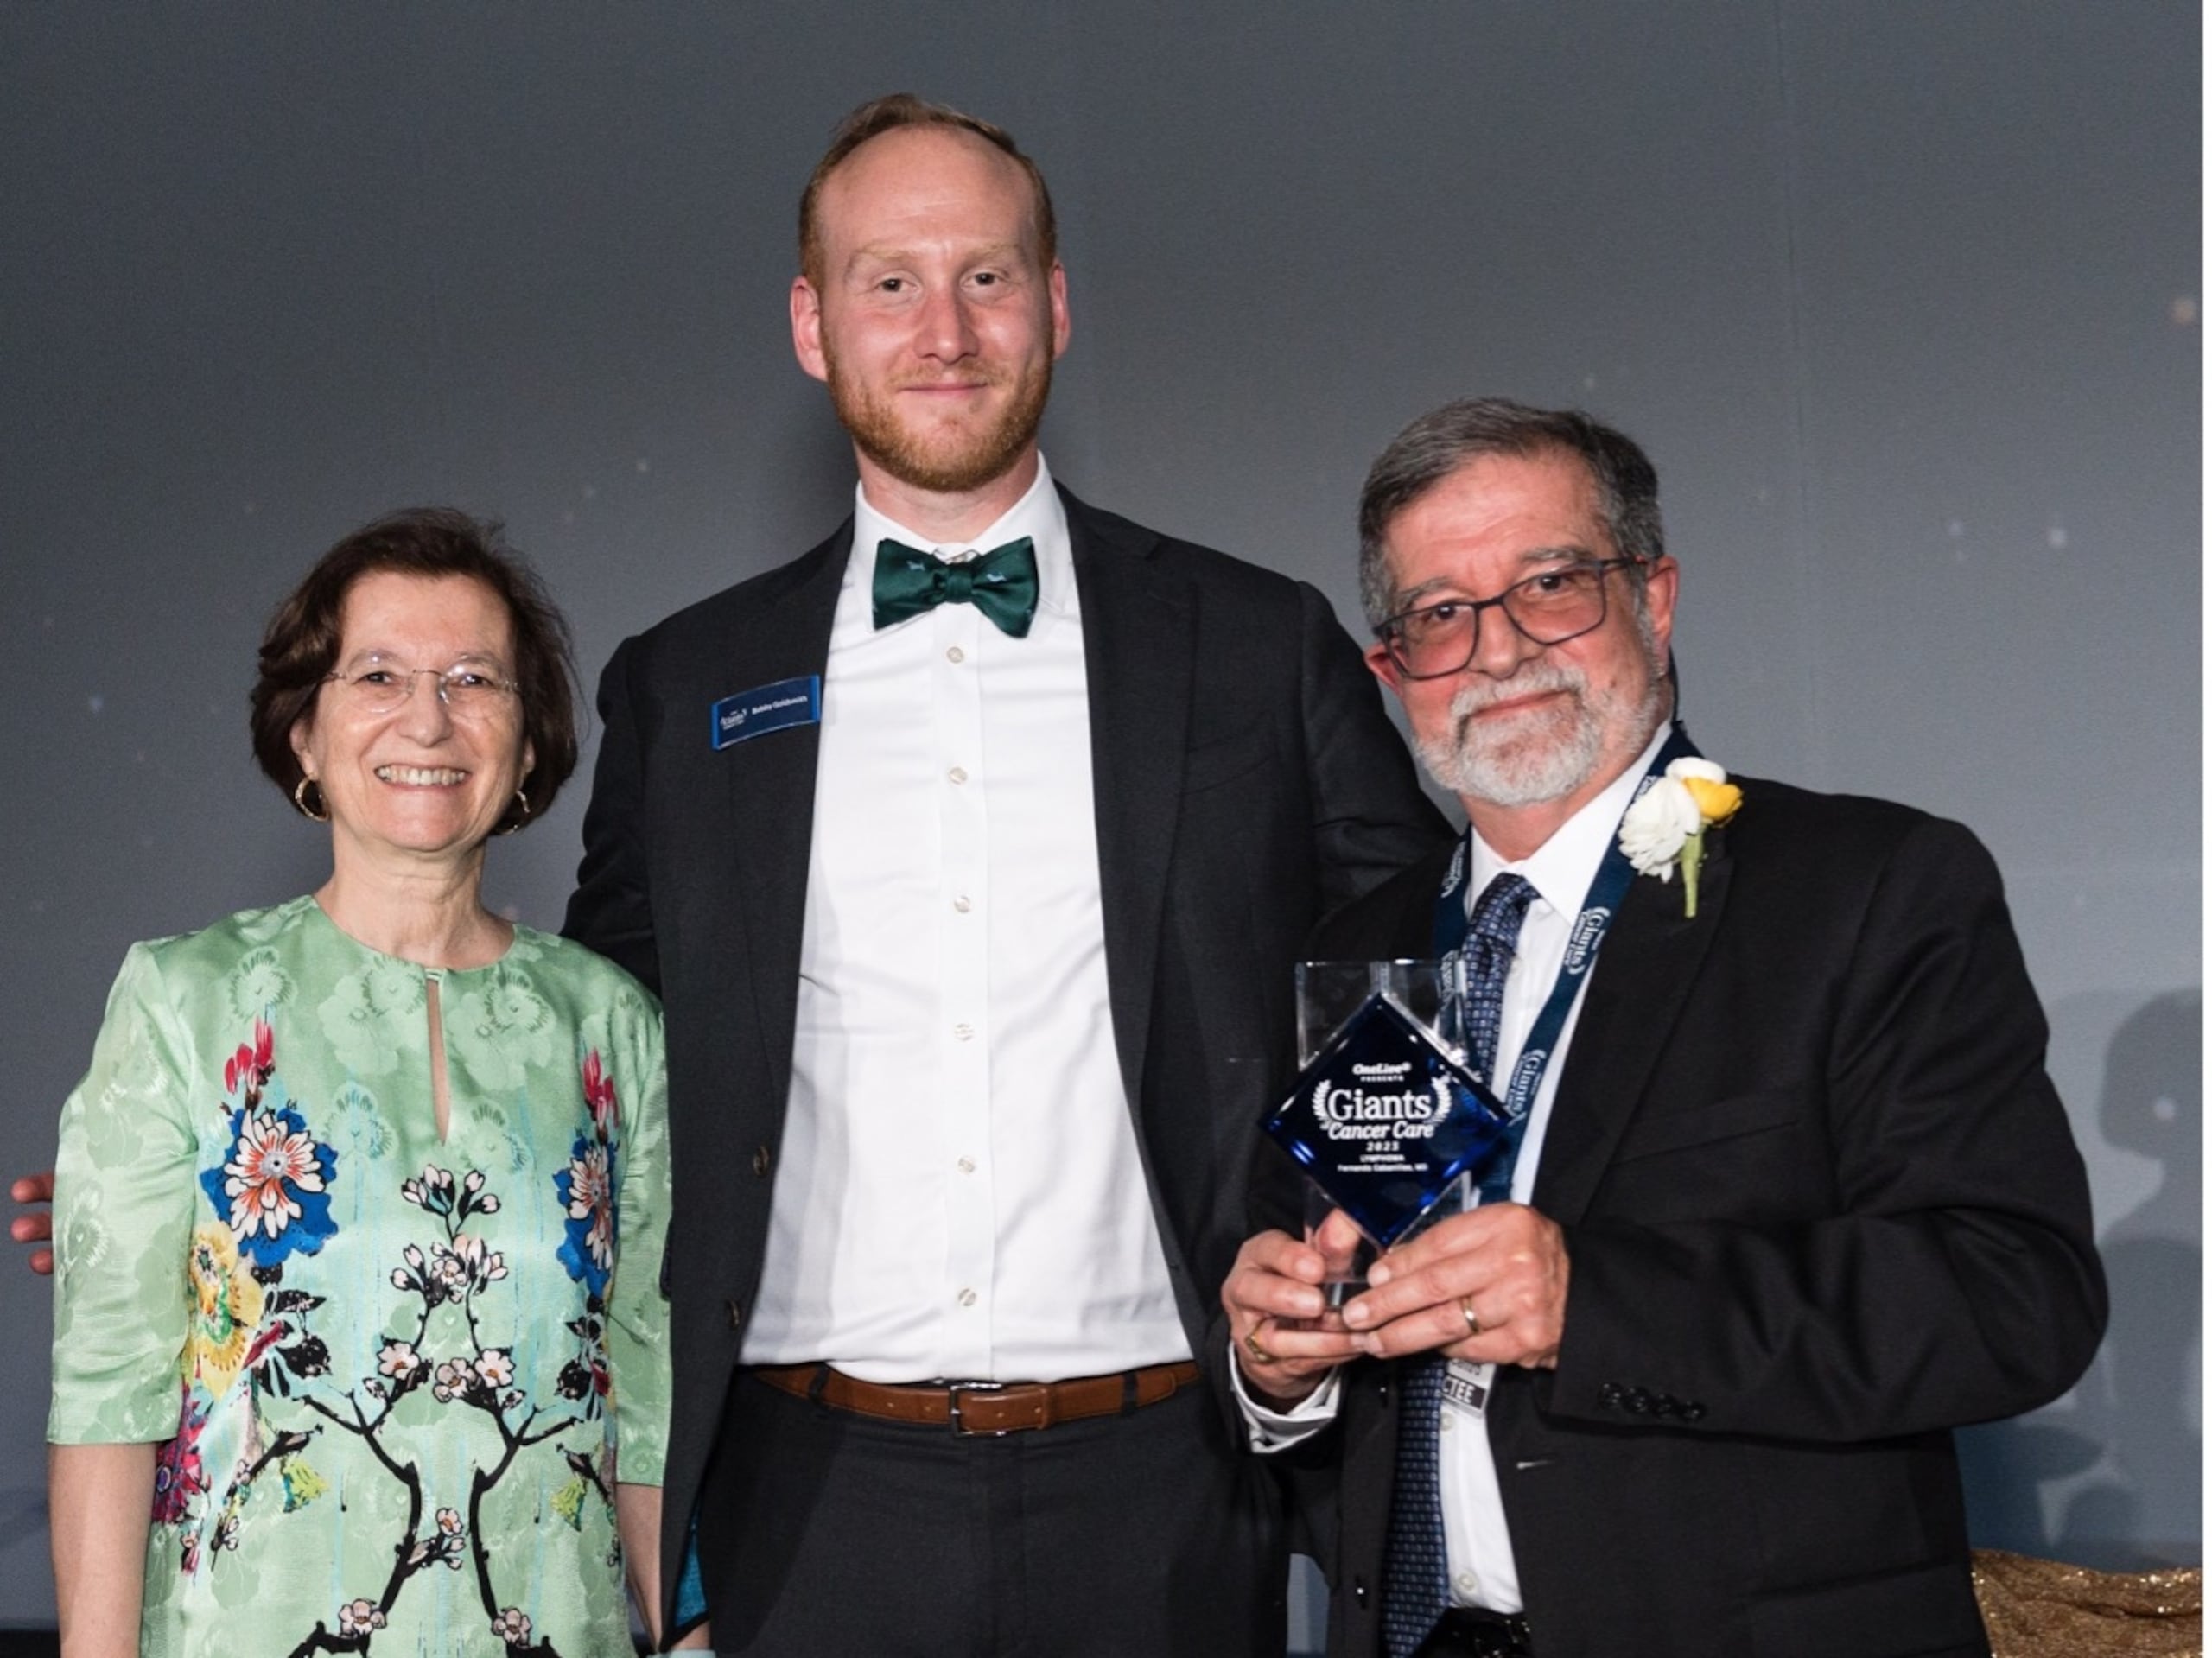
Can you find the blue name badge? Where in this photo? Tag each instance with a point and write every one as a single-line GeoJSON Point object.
{"type": "Point", "coordinates": [767, 708]}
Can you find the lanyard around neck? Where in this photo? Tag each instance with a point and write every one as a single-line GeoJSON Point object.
{"type": "Point", "coordinates": [1607, 889]}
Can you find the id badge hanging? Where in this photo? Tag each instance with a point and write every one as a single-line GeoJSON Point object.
{"type": "Point", "coordinates": [1466, 1387]}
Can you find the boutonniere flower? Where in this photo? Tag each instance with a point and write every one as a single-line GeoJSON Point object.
{"type": "Point", "coordinates": [1665, 828]}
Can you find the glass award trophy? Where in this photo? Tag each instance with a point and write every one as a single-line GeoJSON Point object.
{"type": "Point", "coordinates": [1385, 1116]}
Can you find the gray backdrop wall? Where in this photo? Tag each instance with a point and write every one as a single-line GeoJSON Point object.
{"type": "Point", "coordinates": [1902, 299]}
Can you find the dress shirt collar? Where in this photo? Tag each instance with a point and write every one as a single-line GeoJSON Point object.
{"type": "Point", "coordinates": [1562, 868]}
{"type": "Point", "coordinates": [1038, 515]}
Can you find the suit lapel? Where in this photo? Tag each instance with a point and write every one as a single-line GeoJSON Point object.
{"type": "Point", "coordinates": [783, 636]}
{"type": "Point", "coordinates": [1649, 959]}
{"type": "Point", "coordinates": [1137, 650]}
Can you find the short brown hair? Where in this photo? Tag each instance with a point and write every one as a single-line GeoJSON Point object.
{"type": "Point", "coordinates": [299, 647]}
{"type": "Point", "coordinates": [1444, 440]}
{"type": "Point", "coordinates": [887, 114]}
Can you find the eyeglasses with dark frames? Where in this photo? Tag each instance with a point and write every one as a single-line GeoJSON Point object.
{"type": "Point", "coordinates": [1550, 607]}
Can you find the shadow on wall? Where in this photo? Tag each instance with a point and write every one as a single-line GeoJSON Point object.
{"type": "Point", "coordinates": [2110, 1476]}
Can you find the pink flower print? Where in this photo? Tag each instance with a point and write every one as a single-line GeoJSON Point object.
{"type": "Point", "coordinates": [179, 1477]}
{"type": "Point", "coordinates": [359, 1617]}
{"type": "Point", "coordinates": [398, 1360]}
{"type": "Point", "coordinates": [511, 1627]}
{"type": "Point", "coordinates": [599, 1095]}
{"type": "Point", "coordinates": [251, 1065]}
{"type": "Point", "coordinates": [485, 1266]}
{"type": "Point", "coordinates": [496, 1367]}
{"type": "Point", "coordinates": [591, 1195]}
{"type": "Point", "coordinates": [466, 1266]}
{"type": "Point", "coordinates": [449, 1273]}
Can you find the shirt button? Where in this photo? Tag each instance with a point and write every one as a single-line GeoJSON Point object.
{"type": "Point", "coordinates": [958, 774]}
{"type": "Point", "coordinates": [1465, 1582]}
{"type": "Point", "coordinates": [966, 1165]}
{"type": "Point", "coordinates": [955, 654]}
{"type": "Point", "coordinates": [966, 1297]}
{"type": "Point", "coordinates": [964, 1032]}
{"type": "Point", "coordinates": [962, 904]}
{"type": "Point", "coordinates": [1444, 1423]}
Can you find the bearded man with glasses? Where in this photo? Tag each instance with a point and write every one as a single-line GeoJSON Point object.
{"type": "Point", "coordinates": [1568, 599]}
{"type": "Point", "coordinates": [1788, 1194]}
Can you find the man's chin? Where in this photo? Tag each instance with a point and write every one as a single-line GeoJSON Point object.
{"type": "Point", "coordinates": [1522, 785]}
{"type": "Point", "coordinates": [944, 464]}
{"type": "Point", "coordinates": [1523, 739]}
{"type": "Point", "coordinates": [949, 473]}
{"type": "Point", "coordinates": [946, 453]}
{"type": "Point", "coordinates": [1519, 769]}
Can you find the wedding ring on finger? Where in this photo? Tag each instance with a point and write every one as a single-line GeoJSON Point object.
{"type": "Point", "coordinates": [1467, 1311]}
{"type": "Point", "coordinates": [1260, 1354]}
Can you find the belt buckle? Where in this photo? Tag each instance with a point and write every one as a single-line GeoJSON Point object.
{"type": "Point", "coordinates": [953, 1390]}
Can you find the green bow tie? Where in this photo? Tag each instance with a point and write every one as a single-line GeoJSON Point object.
{"type": "Point", "coordinates": [1001, 583]}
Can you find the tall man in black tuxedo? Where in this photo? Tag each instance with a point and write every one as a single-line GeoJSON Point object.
{"type": "Point", "coordinates": [972, 888]}
{"type": "Point", "coordinates": [1795, 1197]}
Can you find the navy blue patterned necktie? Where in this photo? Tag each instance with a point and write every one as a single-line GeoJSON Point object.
{"type": "Point", "coordinates": [1415, 1590]}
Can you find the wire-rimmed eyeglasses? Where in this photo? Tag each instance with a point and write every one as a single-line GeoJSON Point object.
{"type": "Point", "coordinates": [471, 689]}
{"type": "Point", "coordinates": [1549, 608]}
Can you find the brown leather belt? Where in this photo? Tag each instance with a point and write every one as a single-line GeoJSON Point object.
{"type": "Point", "coordinates": [983, 1407]}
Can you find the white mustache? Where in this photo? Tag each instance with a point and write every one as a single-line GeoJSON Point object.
{"type": "Point", "coordinates": [1533, 678]}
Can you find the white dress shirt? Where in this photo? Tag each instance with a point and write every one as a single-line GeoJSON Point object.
{"type": "Point", "coordinates": [1476, 1543]}
{"type": "Point", "coordinates": [959, 1192]}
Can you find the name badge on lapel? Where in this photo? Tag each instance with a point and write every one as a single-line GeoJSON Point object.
{"type": "Point", "coordinates": [765, 708]}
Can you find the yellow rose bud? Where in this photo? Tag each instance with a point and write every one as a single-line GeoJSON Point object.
{"type": "Point", "coordinates": [1716, 802]}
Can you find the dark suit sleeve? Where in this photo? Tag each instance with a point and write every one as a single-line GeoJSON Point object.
{"type": "Point", "coordinates": [1370, 821]}
{"type": "Point", "coordinates": [1370, 818]}
{"type": "Point", "coordinates": [611, 910]}
{"type": "Point", "coordinates": [1947, 1275]}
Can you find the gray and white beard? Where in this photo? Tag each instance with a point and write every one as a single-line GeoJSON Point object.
{"type": "Point", "coordinates": [1544, 754]}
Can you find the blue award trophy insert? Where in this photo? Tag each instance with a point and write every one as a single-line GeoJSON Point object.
{"type": "Point", "coordinates": [1385, 1117]}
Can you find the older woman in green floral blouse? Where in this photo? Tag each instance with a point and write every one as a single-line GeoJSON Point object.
{"type": "Point", "coordinates": [358, 1345]}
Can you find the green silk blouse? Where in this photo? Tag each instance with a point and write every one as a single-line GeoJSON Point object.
{"type": "Point", "coordinates": [395, 1377]}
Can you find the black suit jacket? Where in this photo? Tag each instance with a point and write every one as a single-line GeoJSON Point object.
{"type": "Point", "coordinates": [1246, 781]}
{"type": "Point", "coordinates": [1821, 1206]}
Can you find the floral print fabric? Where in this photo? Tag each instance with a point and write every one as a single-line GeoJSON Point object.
{"type": "Point", "coordinates": [394, 1378]}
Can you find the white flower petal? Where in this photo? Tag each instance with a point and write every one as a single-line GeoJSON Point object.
{"type": "Point", "coordinates": [1653, 828]}
{"type": "Point", "coordinates": [1695, 765]}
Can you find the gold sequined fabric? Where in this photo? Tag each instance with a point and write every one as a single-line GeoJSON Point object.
{"type": "Point", "coordinates": [2046, 1608]}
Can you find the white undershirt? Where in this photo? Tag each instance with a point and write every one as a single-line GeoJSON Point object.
{"type": "Point", "coordinates": [1479, 1548]}
{"type": "Point", "coordinates": [959, 1192]}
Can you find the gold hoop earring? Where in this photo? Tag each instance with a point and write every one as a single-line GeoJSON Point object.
{"type": "Point", "coordinates": [522, 801]}
{"type": "Point", "coordinates": [300, 800]}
